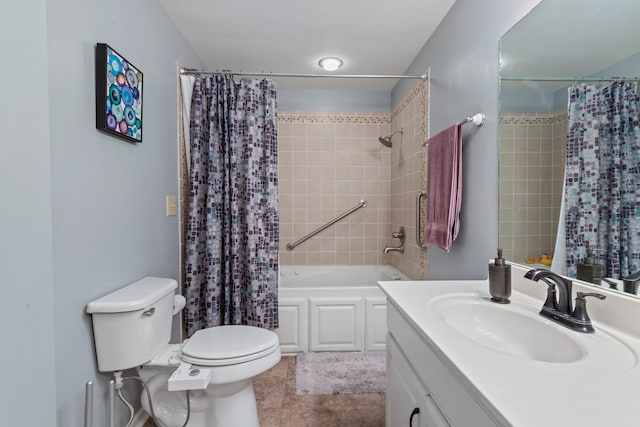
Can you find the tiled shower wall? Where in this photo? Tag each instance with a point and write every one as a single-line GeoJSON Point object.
{"type": "Point", "coordinates": [328, 162]}
{"type": "Point", "coordinates": [532, 156]}
{"type": "Point", "coordinates": [408, 159]}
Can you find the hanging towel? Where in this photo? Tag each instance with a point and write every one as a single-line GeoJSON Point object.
{"type": "Point", "coordinates": [444, 185]}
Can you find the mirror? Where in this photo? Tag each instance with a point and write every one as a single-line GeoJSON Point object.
{"type": "Point", "coordinates": [557, 44]}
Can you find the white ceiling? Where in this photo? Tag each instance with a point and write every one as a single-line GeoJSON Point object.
{"type": "Point", "coordinates": [290, 36]}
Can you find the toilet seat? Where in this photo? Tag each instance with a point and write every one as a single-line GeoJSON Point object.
{"type": "Point", "coordinates": [228, 345]}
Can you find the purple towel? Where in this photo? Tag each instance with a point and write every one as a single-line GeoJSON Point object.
{"type": "Point", "coordinates": [444, 185]}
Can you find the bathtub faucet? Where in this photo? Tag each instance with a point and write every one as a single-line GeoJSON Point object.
{"type": "Point", "coordinates": [396, 235]}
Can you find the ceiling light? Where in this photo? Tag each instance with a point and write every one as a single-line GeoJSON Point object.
{"type": "Point", "coordinates": [330, 63]}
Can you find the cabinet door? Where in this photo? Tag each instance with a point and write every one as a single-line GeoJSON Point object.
{"type": "Point", "coordinates": [336, 324]}
{"type": "Point", "coordinates": [433, 416]}
{"type": "Point", "coordinates": [293, 317]}
{"type": "Point", "coordinates": [406, 396]}
{"type": "Point", "coordinates": [453, 400]}
{"type": "Point", "coordinates": [376, 323]}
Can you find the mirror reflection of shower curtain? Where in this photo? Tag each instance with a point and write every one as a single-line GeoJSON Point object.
{"type": "Point", "coordinates": [602, 174]}
{"type": "Point", "coordinates": [558, 264]}
{"type": "Point", "coordinates": [231, 239]}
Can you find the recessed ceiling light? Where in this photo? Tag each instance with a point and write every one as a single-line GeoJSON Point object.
{"type": "Point", "coordinates": [330, 63]}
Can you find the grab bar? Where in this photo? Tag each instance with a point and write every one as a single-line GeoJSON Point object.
{"type": "Point", "coordinates": [419, 242]}
{"type": "Point", "coordinates": [291, 246]}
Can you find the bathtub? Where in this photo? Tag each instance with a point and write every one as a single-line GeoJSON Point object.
{"type": "Point", "coordinates": [333, 308]}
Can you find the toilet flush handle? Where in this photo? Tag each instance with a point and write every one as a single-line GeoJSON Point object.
{"type": "Point", "coordinates": [149, 313]}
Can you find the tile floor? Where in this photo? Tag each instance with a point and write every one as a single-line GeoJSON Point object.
{"type": "Point", "coordinates": [280, 406]}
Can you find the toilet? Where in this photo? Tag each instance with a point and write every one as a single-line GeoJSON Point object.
{"type": "Point", "coordinates": [132, 329]}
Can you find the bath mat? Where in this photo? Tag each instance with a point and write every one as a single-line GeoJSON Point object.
{"type": "Point", "coordinates": [340, 373]}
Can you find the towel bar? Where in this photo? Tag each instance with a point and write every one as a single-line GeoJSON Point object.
{"type": "Point", "coordinates": [419, 242]}
{"type": "Point", "coordinates": [477, 119]}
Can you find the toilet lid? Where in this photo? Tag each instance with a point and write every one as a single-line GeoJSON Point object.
{"type": "Point", "coordinates": [227, 345]}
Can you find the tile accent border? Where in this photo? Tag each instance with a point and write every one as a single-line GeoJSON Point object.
{"type": "Point", "coordinates": [415, 260]}
{"type": "Point", "coordinates": [533, 118]}
{"type": "Point", "coordinates": [418, 90]}
{"type": "Point", "coordinates": [320, 117]}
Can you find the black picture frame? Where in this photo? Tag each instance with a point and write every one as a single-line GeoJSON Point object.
{"type": "Point", "coordinates": [118, 95]}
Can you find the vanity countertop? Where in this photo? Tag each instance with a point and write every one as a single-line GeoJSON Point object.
{"type": "Point", "coordinates": [601, 388]}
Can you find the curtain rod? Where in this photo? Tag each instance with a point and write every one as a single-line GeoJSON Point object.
{"type": "Point", "coordinates": [570, 79]}
{"type": "Point", "coordinates": [188, 71]}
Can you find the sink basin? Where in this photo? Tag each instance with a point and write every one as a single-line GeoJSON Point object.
{"type": "Point", "coordinates": [508, 329]}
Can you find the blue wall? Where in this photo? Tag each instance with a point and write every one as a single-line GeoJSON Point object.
{"type": "Point", "coordinates": [535, 99]}
{"type": "Point", "coordinates": [463, 57]}
{"type": "Point", "coordinates": [108, 196]}
{"type": "Point", "coordinates": [27, 393]}
{"type": "Point", "coordinates": [529, 101]}
{"type": "Point", "coordinates": [333, 100]}
{"type": "Point", "coordinates": [84, 211]}
{"type": "Point", "coordinates": [628, 67]}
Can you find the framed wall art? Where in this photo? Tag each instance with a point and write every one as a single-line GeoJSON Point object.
{"type": "Point", "coordinates": [118, 95]}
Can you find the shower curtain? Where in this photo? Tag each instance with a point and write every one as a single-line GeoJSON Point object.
{"type": "Point", "coordinates": [231, 242]}
{"type": "Point", "coordinates": [602, 175]}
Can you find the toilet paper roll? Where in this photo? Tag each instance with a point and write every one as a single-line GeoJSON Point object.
{"type": "Point", "coordinates": [178, 303]}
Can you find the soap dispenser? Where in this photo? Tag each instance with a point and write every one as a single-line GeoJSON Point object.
{"type": "Point", "coordinates": [500, 280]}
{"type": "Point", "coordinates": [588, 270]}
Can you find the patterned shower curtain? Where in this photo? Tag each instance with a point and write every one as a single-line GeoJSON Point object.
{"type": "Point", "coordinates": [231, 242]}
{"type": "Point", "coordinates": [602, 175]}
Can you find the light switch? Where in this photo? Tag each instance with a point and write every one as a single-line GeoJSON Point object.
{"type": "Point", "coordinates": [172, 209]}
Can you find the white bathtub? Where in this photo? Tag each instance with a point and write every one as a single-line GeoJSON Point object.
{"type": "Point", "coordinates": [312, 276]}
{"type": "Point", "coordinates": [333, 308]}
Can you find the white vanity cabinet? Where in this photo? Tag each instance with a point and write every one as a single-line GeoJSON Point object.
{"type": "Point", "coordinates": [464, 361]}
{"type": "Point", "coordinates": [408, 401]}
{"type": "Point", "coordinates": [416, 378]}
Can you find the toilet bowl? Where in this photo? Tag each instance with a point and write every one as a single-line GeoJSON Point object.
{"type": "Point", "coordinates": [229, 398]}
{"type": "Point", "coordinates": [131, 329]}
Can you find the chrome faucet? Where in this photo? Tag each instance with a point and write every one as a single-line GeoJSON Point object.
{"type": "Point", "coordinates": [560, 310]}
{"type": "Point", "coordinates": [396, 235]}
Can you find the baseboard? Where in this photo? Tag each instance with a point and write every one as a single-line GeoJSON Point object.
{"type": "Point", "coordinates": [139, 418]}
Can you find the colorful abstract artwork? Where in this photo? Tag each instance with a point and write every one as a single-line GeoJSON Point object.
{"type": "Point", "coordinates": [118, 95]}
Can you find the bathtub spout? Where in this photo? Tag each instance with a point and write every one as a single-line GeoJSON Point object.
{"type": "Point", "coordinates": [396, 235]}
{"type": "Point", "coordinates": [388, 249]}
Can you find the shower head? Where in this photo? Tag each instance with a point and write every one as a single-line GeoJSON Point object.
{"type": "Point", "coordinates": [386, 140]}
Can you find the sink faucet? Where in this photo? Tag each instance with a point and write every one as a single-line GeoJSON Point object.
{"type": "Point", "coordinates": [560, 311]}
{"type": "Point", "coordinates": [396, 235]}
{"type": "Point", "coordinates": [565, 286]}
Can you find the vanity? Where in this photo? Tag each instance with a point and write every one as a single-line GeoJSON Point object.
{"type": "Point", "coordinates": [454, 358]}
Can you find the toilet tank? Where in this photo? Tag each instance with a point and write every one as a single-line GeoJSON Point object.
{"type": "Point", "coordinates": [133, 324]}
